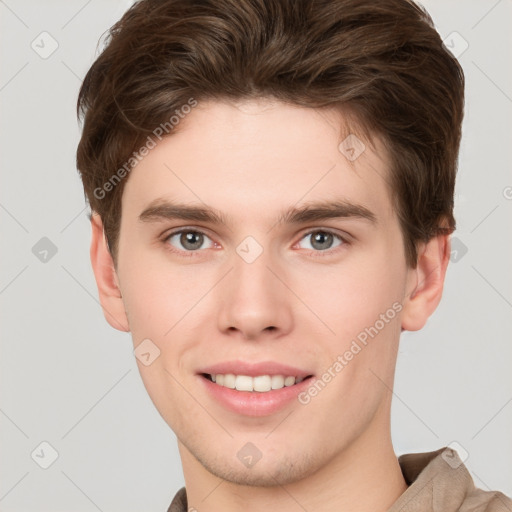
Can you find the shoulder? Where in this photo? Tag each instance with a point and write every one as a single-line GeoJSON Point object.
{"type": "Point", "coordinates": [486, 501]}
{"type": "Point", "coordinates": [439, 481]}
{"type": "Point", "coordinates": [179, 502]}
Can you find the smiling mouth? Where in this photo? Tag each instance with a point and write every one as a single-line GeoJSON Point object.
{"type": "Point", "coordinates": [259, 384]}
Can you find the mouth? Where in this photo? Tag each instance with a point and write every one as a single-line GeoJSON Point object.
{"type": "Point", "coordinates": [258, 383]}
{"type": "Point", "coordinates": [254, 388]}
{"type": "Point", "coordinates": [258, 395]}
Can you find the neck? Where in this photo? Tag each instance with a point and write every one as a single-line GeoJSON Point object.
{"type": "Point", "coordinates": [364, 477]}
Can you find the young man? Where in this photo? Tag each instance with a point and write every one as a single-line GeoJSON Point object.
{"type": "Point", "coordinates": [271, 185]}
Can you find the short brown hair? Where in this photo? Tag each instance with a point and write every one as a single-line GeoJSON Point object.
{"type": "Point", "coordinates": [383, 61]}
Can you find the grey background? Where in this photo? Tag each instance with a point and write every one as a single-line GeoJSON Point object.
{"type": "Point", "coordinates": [69, 379]}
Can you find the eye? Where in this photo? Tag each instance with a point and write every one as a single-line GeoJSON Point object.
{"type": "Point", "coordinates": [189, 240]}
{"type": "Point", "coordinates": [321, 240]}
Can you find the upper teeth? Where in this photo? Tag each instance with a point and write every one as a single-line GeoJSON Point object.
{"type": "Point", "coordinates": [260, 383]}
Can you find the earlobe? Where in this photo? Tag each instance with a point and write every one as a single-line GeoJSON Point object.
{"type": "Point", "coordinates": [425, 283]}
{"type": "Point", "coordinates": [106, 278]}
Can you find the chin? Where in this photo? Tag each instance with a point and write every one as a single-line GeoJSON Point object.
{"type": "Point", "coordinates": [269, 471]}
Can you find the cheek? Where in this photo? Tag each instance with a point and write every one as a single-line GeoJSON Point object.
{"type": "Point", "coordinates": [156, 300]}
{"type": "Point", "coordinates": [170, 304]}
{"type": "Point", "coordinates": [361, 305]}
{"type": "Point", "coordinates": [352, 296]}
{"type": "Point", "coordinates": [162, 305]}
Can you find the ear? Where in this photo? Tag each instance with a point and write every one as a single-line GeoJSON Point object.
{"type": "Point", "coordinates": [425, 283]}
{"type": "Point", "coordinates": [106, 278]}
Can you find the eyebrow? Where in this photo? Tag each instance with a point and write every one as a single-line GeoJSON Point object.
{"type": "Point", "coordinates": [162, 209]}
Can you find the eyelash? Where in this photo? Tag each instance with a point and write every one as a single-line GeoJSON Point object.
{"type": "Point", "coordinates": [318, 253]}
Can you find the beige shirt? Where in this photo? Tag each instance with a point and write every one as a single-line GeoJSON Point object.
{"type": "Point", "coordinates": [438, 482]}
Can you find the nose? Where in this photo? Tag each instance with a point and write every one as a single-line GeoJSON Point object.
{"type": "Point", "coordinates": [253, 301]}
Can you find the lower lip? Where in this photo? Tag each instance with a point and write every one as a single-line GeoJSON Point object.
{"type": "Point", "coordinates": [254, 403]}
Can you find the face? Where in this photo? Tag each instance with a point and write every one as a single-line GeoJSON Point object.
{"type": "Point", "coordinates": [254, 249]}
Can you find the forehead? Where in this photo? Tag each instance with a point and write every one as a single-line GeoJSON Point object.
{"type": "Point", "coordinates": [245, 158]}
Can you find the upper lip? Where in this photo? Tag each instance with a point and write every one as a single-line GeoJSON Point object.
{"type": "Point", "coordinates": [254, 369]}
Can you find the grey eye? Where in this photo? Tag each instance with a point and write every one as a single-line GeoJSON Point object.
{"type": "Point", "coordinates": [322, 240]}
{"type": "Point", "coordinates": [189, 240]}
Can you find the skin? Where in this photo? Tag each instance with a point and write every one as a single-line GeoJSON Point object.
{"type": "Point", "coordinates": [294, 304]}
